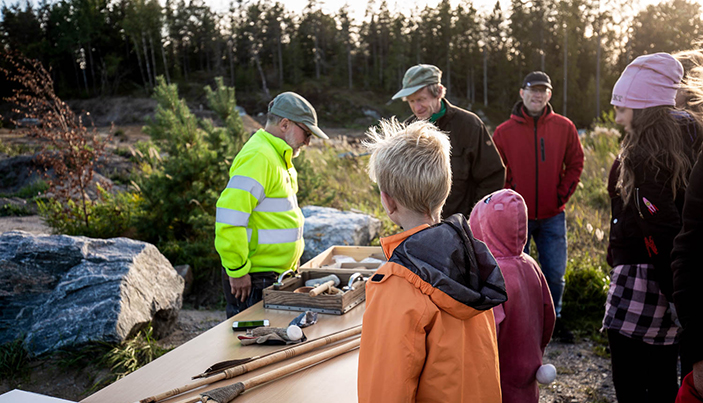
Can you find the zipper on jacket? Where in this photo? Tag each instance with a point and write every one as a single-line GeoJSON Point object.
{"type": "Point", "coordinates": [541, 146]}
{"type": "Point", "coordinates": [637, 202]}
{"type": "Point", "coordinates": [536, 174]}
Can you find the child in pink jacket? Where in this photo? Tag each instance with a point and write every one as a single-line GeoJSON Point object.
{"type": "Point", "coordinates": [525, 321]}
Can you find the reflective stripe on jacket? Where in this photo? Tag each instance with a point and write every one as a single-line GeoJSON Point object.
{"type": "Point", "coordinates": [259, 226]}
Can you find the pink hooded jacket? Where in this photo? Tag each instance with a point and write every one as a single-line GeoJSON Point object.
{"type": "Point", "coordinates": [525, 322]}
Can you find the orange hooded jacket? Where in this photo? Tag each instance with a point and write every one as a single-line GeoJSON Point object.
{"type": "Point", "coordinates": [428, 331]}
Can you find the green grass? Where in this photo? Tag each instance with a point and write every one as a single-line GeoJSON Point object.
{"type": "Point", "coordinates": [13, 210]}
{"type": "Point", "coordinates": [14, 361]}
{"type": "Point", "coordinates": [341, 182]}
{"type": "Point", "coordinates": [133, 354]}
{"type": "Point", "coordinates": [32, 190]}
{"type": "Point", "coordinates": [588, 224]}
{"type": "Point", "coordinates": [13, 150]}
{"type": "Point", "coordinates": [120, 359]}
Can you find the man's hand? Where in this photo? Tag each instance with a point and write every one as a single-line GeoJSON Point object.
{"type": "Point", "coordinates": [698, 377]}
{"type": "Point", "coordinates": [241, 287]}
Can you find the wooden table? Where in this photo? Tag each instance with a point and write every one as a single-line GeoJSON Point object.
{"type": "Point", "coordinates": [333, 380]}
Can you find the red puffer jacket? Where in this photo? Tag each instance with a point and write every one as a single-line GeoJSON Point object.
{"type": "Point", "coordinates": [543, 159]}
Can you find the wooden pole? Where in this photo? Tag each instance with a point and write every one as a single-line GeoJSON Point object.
{"type": "Point", "coordinates": [230, 392]}
{"type": "Point", "coordinates": [258, 362]}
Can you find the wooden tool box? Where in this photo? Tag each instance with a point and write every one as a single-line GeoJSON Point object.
{"type": "Point", "coordinates": [283, 296]}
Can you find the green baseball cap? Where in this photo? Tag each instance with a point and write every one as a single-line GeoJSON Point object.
{"type": "Point", "coordinates": [293, 107]}
{"type": "Point", "coordinates": [417, 77]}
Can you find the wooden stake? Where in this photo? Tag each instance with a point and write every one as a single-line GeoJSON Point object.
{"type": "Point", "coordinates": [258, 362]}
{"type": "Point", "coordinates": [230, 392]}
{"type": "Point", "coordinates": [321, 288]}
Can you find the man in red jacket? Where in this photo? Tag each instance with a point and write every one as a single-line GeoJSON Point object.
{"type": "Point", "coordinates": [543, 162]}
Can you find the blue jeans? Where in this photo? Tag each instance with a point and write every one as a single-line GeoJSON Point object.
{"type": "Point", "coordinates": [550, 237]}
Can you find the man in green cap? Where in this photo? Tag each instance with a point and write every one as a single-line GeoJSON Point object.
{"type": "Point", "coordinates": [259, 226]}
{"type": "Point", "coordinates": [477, 169]}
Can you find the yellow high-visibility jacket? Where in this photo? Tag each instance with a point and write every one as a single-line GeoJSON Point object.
{"type": "Point", "coordinates": [259, 226]}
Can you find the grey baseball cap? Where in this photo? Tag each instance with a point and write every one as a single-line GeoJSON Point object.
{"type": "Point", "coordinates": [417, 77]}
{"type": "Point", "coordinates": [293, 107]}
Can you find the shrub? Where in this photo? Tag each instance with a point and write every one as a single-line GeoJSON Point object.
{"type": "Point", "coordinates": [182, 178]}
{"type": "Point", "coordinates": [72, 150]}
{"type": "Point", "coordinates": [110, 216]}
{"type": "Point", "coordinates": [32, 190]}
{"type": "Point", "coordinates": [13, 210]}
{"type": "Point", "coordinates": [587, 284]}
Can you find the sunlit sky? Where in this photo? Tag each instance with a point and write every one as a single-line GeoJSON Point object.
{"type": "Point", "coordinates": [358, 8]}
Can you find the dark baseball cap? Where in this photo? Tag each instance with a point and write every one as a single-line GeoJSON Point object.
{"type": "Point", "coordinates": [537, 78]}
{"type": "Point", "coordinates": [293, 107]}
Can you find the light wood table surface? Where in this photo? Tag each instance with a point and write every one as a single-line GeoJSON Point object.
{"type": "Point", "coordinates": [333, 380]}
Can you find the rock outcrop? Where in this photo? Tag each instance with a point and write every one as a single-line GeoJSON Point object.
{"type": "Point", "coordinates": [61, 291]}
{"type": "Point", "coordinates": [325, 227]}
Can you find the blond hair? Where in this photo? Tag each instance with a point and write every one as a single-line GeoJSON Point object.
{"type": "Point", "coordinates": [411, 164]}
{"type": "Point", "coordinates": [692, 82]}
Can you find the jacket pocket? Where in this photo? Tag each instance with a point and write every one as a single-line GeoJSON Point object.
{"type": "Point", "coordinates": [460, 164]}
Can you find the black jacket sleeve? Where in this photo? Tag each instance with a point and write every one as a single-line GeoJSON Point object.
{"type": "Point", "coordinates": [687, 267]}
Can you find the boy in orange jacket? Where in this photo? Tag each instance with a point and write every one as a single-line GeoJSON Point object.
{"type": "Point", "coordinates": [428, 330]}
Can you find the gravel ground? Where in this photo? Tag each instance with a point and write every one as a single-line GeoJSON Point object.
{"type": "Point", "coordinates": [582, 375]}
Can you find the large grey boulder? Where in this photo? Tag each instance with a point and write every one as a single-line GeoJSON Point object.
{"type": "Point", "coordinates": [325, 227]}
{"type": "Point", "coordinates": [65, 291]}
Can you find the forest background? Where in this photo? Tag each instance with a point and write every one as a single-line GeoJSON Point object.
{"type": "Point", "coordinates": [118, 47]}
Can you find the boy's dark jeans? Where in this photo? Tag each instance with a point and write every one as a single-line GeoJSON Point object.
{"type": "Point", "coordinates": [259, 281]}
{"type": "Point", "coordinates": [642, 372]}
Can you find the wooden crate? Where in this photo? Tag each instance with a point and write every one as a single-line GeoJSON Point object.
{"type": "Point", "coordinates": [357, 252]}
{"type": "Point", "coordinates": [283, 297]}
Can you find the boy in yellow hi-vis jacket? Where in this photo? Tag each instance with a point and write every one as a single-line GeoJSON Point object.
{"type": "Point", "coordinates": [428, 329]}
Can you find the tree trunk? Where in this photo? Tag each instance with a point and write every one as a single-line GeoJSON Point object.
{"type": "Point", "coordinates": [85, 77]}
{"type": "Point", "coordinates": [280, 59]}
{"type": "Point", "coordinates": [92, 69]}
{"type": "Point", "coordinates": [317, 56]}
{"type": "Point", "coordinates": [231, 63]}
{"type": "Point", "coordinates": [139, 61]}
{"type": "Point", "coordinates": [75, 70]}
{"type": "Point", "coordinates": [163, 56]}
{"type": "Point", "coordinates": [485, 78]}
{"type": "Point", "coordinates": [146, 61]}
{"type": "Point", "coordinates": [264, 87]}
{"type": "Point", "coordinates": [185, 63]}
{"type": "Point", "coordinates": [598, 73]}
{"type": "Point", "coordinates": [349, 65]}
{"type": "Point", "coordinates": [566, 63]}
{"type": "Point", "coordinates": [449, 73]}
{"type": "Point", "coordinates": [153, 59]}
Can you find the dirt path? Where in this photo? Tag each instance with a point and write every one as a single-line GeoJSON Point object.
{"type": "Point", "coordinates": [32, 223]}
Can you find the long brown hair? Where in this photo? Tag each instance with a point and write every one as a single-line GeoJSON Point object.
{"type": "Point", "coordinates": [655, 141]}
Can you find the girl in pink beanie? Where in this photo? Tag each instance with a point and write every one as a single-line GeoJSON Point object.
{"type": "Point", "coordinates": [647, 185]}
